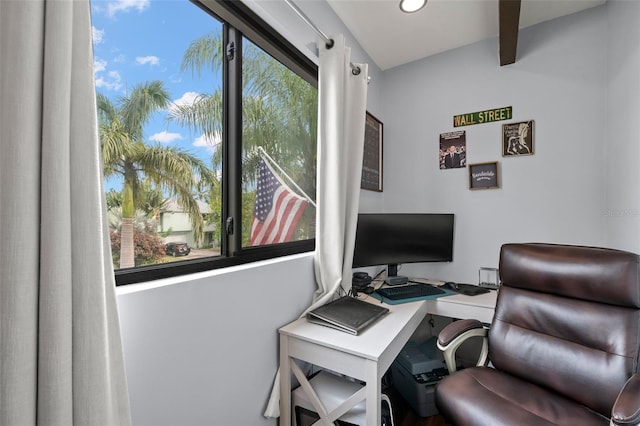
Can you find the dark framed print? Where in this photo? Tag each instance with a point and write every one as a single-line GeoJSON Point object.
{"type": "Point", "coordinates": [483, 175]}
{"type": "Point", "coordinates": [517, 138]}
{"type": "Point", "coordinates": [372, 158]}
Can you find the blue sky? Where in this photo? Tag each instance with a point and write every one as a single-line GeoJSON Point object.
{"type": "Point", "coordinates": [143, 40]}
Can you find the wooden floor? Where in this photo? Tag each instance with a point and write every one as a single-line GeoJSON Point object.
{"type": "Point", "coordinates": [403, 414]}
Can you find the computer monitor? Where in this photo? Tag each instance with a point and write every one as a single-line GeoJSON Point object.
{"type": "Point", "coordinates": [395, 238]}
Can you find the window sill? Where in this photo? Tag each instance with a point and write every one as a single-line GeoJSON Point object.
{"type": "Point", "coordinates": [154, 284]}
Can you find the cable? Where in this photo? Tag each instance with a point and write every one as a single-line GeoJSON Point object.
{"type": "Point", "coordinates": [378, 274]}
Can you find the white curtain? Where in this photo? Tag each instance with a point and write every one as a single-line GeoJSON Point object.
{"type": "Point", "coordinates": [342, 97]}
{"type": "Point", "coordinates": [61, 360]}
{"type": "Point", "coordinates": [341, 120]}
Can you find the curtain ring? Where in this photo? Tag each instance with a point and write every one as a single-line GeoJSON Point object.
{"type": "Point", "coordinates": [329, 44]}
{"type": "Point", "coordinates": [355, 71]}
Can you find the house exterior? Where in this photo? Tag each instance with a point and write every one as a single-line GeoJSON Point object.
{"type": "Point", "coordinates": [175, 224]}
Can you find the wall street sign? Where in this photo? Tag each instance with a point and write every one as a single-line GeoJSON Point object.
{"type": "Point", "coordinates": [488, 116]}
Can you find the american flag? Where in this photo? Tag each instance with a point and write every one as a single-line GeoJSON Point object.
{"type": "Point", "coordinates": [277, 209]}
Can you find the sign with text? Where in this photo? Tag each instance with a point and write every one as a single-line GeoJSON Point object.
{"type": "Point", "coordinates": [488, 116]}
{"type": "Point", "coordinates": [483, 175]}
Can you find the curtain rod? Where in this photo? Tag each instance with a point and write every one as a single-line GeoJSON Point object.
{"type": "Point", "coordinates": [355, 70]}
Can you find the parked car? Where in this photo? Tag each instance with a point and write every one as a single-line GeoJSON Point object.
{"type": "Point", "coordinates": [177, 249]}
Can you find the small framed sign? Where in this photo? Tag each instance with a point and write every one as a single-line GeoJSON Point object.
{"type": "Point", "coordinates": [372, 158]}
{"type": "Point", "coordinates": [517, 138]}
{"type": "Point", "coordinates": [483, 175]}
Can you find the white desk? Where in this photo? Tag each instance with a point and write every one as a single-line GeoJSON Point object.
{"type": "Point", "coordinates": [459, 306]}
{"type": "Point", "coordinates": [365, 357]}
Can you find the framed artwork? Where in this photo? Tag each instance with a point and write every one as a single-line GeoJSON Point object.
{"type": "Point", "coordinates": [483, 175]}
{"type": "Point", "coordinates": [453, 150]}
{"type": "Point", "coordinates": [517, 139]}
{"type": "Point", "coordinates": [372, 158]}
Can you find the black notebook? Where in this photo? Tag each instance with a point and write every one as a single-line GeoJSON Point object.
{"type": "Point", "coordinates": [347, 314]}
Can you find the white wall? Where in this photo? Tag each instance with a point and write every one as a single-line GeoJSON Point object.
{"type": "Point", "coordinates": [622, 208]}
{"type": "Point", "coordinates": [204, 351]}
{"type": "Point", "coordinates": [177, 222]}
{"type": "Point", "coordinates": [555, 195]}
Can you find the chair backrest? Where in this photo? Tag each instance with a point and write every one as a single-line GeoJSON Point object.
{"type": "Point", "coordinates": [568, 318]}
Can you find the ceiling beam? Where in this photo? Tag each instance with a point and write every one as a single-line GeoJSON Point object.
{"type": "Point", "coordinates": [509, 17]}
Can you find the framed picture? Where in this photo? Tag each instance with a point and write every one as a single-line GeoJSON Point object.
{"type": "Point", "coordinates": [517, 139]}
{"type": "Point", "coordinates": [453, 150]}
{"type": "Point", "coordinates": [483, 175]}
{"type": "Point", "coordinates": [372, 158]}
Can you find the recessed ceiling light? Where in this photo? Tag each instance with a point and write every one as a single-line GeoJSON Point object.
{"type": "Point", "coordinates": [410, 6]}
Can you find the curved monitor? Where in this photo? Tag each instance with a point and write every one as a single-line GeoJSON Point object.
{"type": "Point", "coordinates": [396, 238]}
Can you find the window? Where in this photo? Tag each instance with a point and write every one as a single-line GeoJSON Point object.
{"type": "Point", "coordinates": [207, 122]}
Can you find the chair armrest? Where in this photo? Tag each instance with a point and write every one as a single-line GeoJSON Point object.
{"type": "Point", "coordinates": [454, 334]}
{"type": "Point", "coordinates": [626, 410]}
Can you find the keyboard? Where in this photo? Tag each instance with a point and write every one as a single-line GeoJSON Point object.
{"type": "Point", "coordinates": [408, 291]}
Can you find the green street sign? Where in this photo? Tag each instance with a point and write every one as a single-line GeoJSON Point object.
{"type": "Point", "coordinates": [496, 114]}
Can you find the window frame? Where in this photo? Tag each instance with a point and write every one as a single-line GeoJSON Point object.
{"type": "Point", "coordinates": [238, 21]}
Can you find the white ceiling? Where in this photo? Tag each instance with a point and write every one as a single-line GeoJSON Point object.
{"type": "Point", "coordinates": [393, 38]}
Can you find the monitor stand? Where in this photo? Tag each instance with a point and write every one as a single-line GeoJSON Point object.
{"type": "Point", "coordinates": [392, 276]}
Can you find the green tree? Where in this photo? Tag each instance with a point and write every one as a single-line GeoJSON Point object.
{"type": "Point", "coordinates": [141, 221]}
{"type": "Point", "coordinates": [152, 200]}
{"type": "Point", "coordinates": [279, 114]}
{"type": "Point", "coordinates": [124, 153]}
{"type": "Point", "coordinates": [114, 199]}
{"type": "Point", "coordinates": [148, 247]}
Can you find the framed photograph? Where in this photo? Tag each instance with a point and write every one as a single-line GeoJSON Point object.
{"type": "Point", "coordinates": [453, 150]}
{"type": "Point", "coordinates": [517, 139]}
{"type": "Point", "coordinates": [483, 175]}
{"type": "Point", "coordinates": [372, 158]}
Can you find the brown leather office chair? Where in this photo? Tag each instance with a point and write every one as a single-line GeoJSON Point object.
{"type": "Point", "coordinates": [563, 344]}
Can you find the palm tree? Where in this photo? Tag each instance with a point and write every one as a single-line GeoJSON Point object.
{"type": "Point", "coordinates": [140, 222]}
{"type": "Point", "coordinates": [124, 153]}
{"type": "Point", "coordinates": [152, 201]}
{"type": "Point", "coordinates": [279, 111]}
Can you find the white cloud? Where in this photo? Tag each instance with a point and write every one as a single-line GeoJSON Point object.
{"type": "Point", "coordinates": [109, 81]}
{"type": "Point", "coordinates": [97, 35]}
{"type": "Point", "coordinates": [112, 81]}
{"type": "Point", "coordinates": [165, 137]}
{"type": "Point", "coordinates": [119, 59]}
{"type": "Point", "coordinates": [126, 5]}
{"type": "Point", "coordinates": [207, 142]}
{"type": "Point", "coordinates": [175, 78]}
{"type": "Point", "coordinates": [99, 65]}
{"type": "Point", "coordinates": [188, 98]}
{"type": "Point", "coordinates": [151, 60]}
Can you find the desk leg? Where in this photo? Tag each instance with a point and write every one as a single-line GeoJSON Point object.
{"type": "Point", "coordinates": [285, 382]}
{"type": "Point", "coordinates": [374, 390]}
